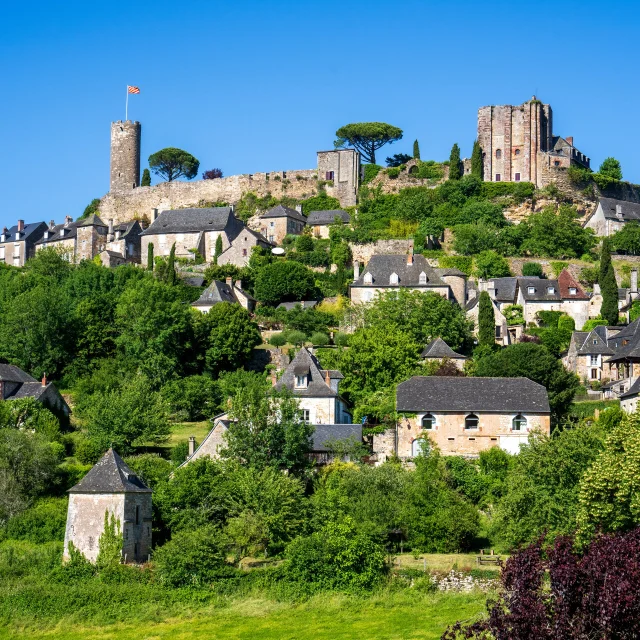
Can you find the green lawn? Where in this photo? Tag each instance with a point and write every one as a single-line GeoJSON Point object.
{"type": "Point", "coordinates": [181, 431]}
{"type": "Point", "coordinates": [390, 616]}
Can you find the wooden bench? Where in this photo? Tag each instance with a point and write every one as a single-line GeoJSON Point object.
{"type": "Point", "coordinates": [488, 559]}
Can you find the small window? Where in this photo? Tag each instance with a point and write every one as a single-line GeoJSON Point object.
{"type": "Point", "coordinates": [519, 423]}
{"type": "Point", "coordinates": [301, 382]}
{"type": "Point", "coordinates": [594, 374]}
{"type": "Point", "coordinates": [471, 421]}
{"type": "Point", "coordinates": [304, 415]}
{"type": "Point", "coordinates": [450, 438]}
{"type": "Point", "coordinates": [531, 290]}
{"type": "Point", "coordinates": [551, 290]}
{"type": "Point", "coordinates": [271, 224]}
{"type": "Point", "coordinates": [517, 178]}
{"type": "Point", "coordinates": [573, 291]}
{"type": "Point", "coordinates": [517, 152]}
{"type": "Point", "coordinates": [498, 153]}
{"type": "Point", "coordinates": [497, 177]}
{"type": "Point", "coordinates": [556, 163]}
{"type": "Point", "coordinates": [498, 331]}
{"type": "Point", "coordinates": [428, 421]}
{"type": "Point", "coordinates": [593, 360]}
{"type": "Point", "coordinates": [244, 253]}
{"type": "Point", "coordinates": [137, 514]}
{"type": "Point", "coordinates": [393, 279]}
{"type": "Point", "coordinates": [596, 342]}
{"type": "Point", "coordinates": [329, 175]}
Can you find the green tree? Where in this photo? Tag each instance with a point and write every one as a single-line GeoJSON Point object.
{"type": "Point", "coordinates": [486, 321]}
{"type": "Point", "coordinates": [455, 164]}
{"type": "Point", "coordinates": [608, 285]}
{"type": "Point", "coordinates": [218, 249]}
{"type": "Point", "coordinates": [532, 269]}
{"type": "Point", "coordinates": [109, 543]}
{"type": "Point", "coordinates": [146, 178]}
{"type": "Point", "coordinates": [283, 280]}
{"type": "Point", "coordinates": [170, 275]}
{"type": "Point", "coordinates": [90, 209]}
{"type": "Point", "coordinates": [628, 238]}
{"type": "Point", "coordinates": [397, 159]}
{"type": "Point", "coordinates": [533, 361]}
{"type": "Point", "coordinates": [367, 137]}
{"type": "Point", "coordinates": [150, 256]}
{"type": "Point", "coordinates": [172, 163]}
{"type": "Point", "coordinates": [489, 264]}
{"type": "Point", "coordinates": [477, 163]}
{"type": "Point", "coordinates": [304, 243]}
{"type": "Point", "coordinates": [416, 150]}
{"type": "Point", "coordinates": [611, 168]}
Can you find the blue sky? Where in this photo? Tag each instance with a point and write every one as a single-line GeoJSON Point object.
{"type": "Point", "coordinates": [257, 86]}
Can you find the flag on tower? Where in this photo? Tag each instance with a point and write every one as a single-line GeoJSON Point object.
{"type": "Point", "coordinates": [133, 89]}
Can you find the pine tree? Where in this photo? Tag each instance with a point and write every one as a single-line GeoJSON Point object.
{"type": "Point", "coordinates": [146, 178]}
{"type": "Point", "coordinates": [416, 150]}
{"type": "Point", "coordinates": [476, 161]}
{"type": "Point", "coordinates": [455, 165]}
{"type": "Point", "coordinates": [608, 285]}
{"type": "Point", "coordinates": [150, 256]}
{"type": "Point", "coordinates": [218, 250]}
{"type": "Point", "coordinates": [486, 321]}
{"type": "Point", "coordinates": [171, 277]}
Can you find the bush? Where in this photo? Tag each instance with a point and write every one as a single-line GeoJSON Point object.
{"type": "Point", "coordinates": [341, 339]}
{"type": "Point", "coordinates": [320, 339]}
{"type": "Point", "coordinates": [393, 172]}
{"type": "Point", "coordinates": [44, 522]}
{"type": "Point", "coordinates": [491, 265]}
{"type": "Point", "coordinates": [295, 337]}
{"type": "Point", "coordinates": [370, 172]}
{"type": "Point", "coordinates": [192, 398]}
{"type": "Point", "coordinates": [464, 263]}
{"type": "Point", "coordinates": [278, 340]}
{"type": "Point", "coordinates": [304, 243]}
{"type": "Point", "coordinates": [532, 269]}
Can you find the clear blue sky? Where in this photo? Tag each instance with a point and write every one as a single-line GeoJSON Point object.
{"type": "Point", "coordinates": [254, 86]}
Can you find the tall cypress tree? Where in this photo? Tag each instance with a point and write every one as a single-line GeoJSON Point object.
{"type": "Point", "coordinates": [172, 277]}
{"type": "Point", "coordinates": [476, 161]}
{"type": "Point", "coordinates": [218, 250]}
{"type": "Point", "coordinates": [486, 321]}
{"type": "Point", "coordinates": [150, 256]}
{"type": "Point", "coordinates": [608, 285]}
{"type": "Point", "coordinates": [416, 150]}
{"type": "Point", "coordinates": [455, 165]}
{"type": "Point", "coordinates": [146, 178]}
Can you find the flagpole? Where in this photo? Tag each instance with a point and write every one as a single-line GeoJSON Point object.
{"type": "Point", "coordinates": [126, 106]}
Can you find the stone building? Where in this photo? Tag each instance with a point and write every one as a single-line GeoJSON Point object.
{"type": "Point", "coordinates": [61, 237]}
{"type": "Point", "coordinates": [281, 221]}
{"type": "Point", "coordinates": [239, 252]}
{"type": "Point", "coordinates": [110, 487]}
{"type": "Point", "coordinates": [588, 351]}
{"type": "Point", "coordinates": [438, 350]}
{"type": "Point", "coordinates": [321, 221]}
{"type": "Point", "coordinates": [341, 169]}
{"type": "Point", "coordinates": [227, 291]}
{"type": "Point", "coordinates": [518, 143]}
{"type": "Point", "coordinates": [125, 155]}
{"type": "Point", "coordinates": [18, 243]}
{"type": "Point", "coordinates": [464, 416]}
{"type": "Point", "coordinates": [124, 241]}
{"type": "Point", "coordinates": [392, 272]}
{"type": "Point", "coordinates": [505, 334]}
{"type": "Point", "coordinates": [610, 215]}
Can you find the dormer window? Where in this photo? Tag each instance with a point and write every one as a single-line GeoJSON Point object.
{"type": "Point", "coordinates": [423, 278]}
{"type": "Point", "coordinates": [531, 290]}
{"type": "Point", "coordinates": [301, 382]}
{"type": "Point", "coordinates": [573, 291]}
{"type": "Point", "coordinates": [551, 290]}
{"type": "Point", "coordinates": [368, 278]}
{"type": "Point", "coordinates": [393, 279]}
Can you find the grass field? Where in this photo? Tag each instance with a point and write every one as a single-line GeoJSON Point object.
{"type": "Point", "coordinates": [390, 616]}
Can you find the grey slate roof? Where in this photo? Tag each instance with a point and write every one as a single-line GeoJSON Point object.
{"type": "Point", "coordinates": [540, 285]}
{"type": "Point", "coordinates": [55, 233]}
{"type": "Point", "coordinates": [444, 393]}
{"type": "Point", "coordinates": [450, 272]}
{"type": "Point", "coordinates": [29, 390]}
{"type": "Point", "coordinates": [505, 289]}
{"type": "Point", "coordinates": [382, 266]}
{"type": "Point", "coordinates": [217, 291]}
{"type": "Point", "coordinates": [305, 363]}
{"type": "Point", "coordinates": [284, 212]}
{"type": "Point", "coordinates": [630, 210]}
{"type": "Point", "coordinates": [110, 475]}
{"type": "Point", "coordinates": [634, 389]}
{"type": "Point", "coordinates": [327, 217]}
{"type": "Point", "coordinates": [33, 230]}
{"type": "Point", "coordinates": [592, 343]}
{"type": "Point", "coordinates": [192, 221]}
{"type": "Point", "coordinates": [91, 221]}
{"type": "Point", "coordinates": [305, 304]}
{"type": "Point", "coordinates": [438, 348]}
{"type": "Point", "coordinates": [326, 432]}
{"type": "Point", "coordinates": [11, 373]}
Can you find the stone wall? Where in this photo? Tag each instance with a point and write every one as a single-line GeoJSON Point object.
{"type": "Point", "coordinates": [125, 155]}
{"type": "Point", "coordinates": [362, 252]}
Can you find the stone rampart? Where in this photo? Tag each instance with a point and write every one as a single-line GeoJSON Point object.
{"type": "Point", "coordinates": [362, 252]}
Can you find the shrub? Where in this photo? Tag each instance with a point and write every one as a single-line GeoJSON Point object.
{"type": "Point", "coordinates": [295, 337]}
{"type": "Point", "coordinates": [320, 339]}
{"type": "Point", "coordinates": [179, 453]}
{"type": "Point", "coordinates": [341, 339]}
{"type": "Point", "coordinates": [370, 172]}
{"type": "Point", "coordinates": [489, 264]}
{"type": "Point", "coordinates": [44, 522]}
{"type": "Point", "coordinates": [393, 172]}
{"type": "Point", "coordinates": [304, 243]}
{"type": "Point", "coordinates": [557, 266]}
{"type": "Point", "coordinates": [277, 340]}
{"type": "Point", "coordinates": [532, 269]}
{"type": "Point", "coordinates": [464, 263]}
{"type": "Point", "coordinates": [192, 398]}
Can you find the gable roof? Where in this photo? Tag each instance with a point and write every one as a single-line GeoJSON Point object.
{"type": "Point", "coordinates": [327, 217]}
{"type": "Point", "coordinates": [566, 281]}
{"type": "Point", "coordinates": [306, 364]}
{"type": "Point", "coordinates": [91, 221]}
{"type": "Point", "coordinates": [505, 289]}
{"type": "Point", "coordinates": [192, 221]}
{"type": "Point", "coordinates": [438, 348]}
{"type": "Point", "coordinates": [56, 232]}
{"type": "Point", "coordinates": [126, 228]}
{"type": "Point", "coordinates": [284, 212]}
{"type": "Point", "coordinates": [218, 291]}
{"type": "Point", "coordinates": [634, 389]}
{"type": "Point", "coordinates": [592, 342]}
{"type": "Point", "coordinates": [630, 210]}
{"type": "Point", "coordinates": [110, 475]}
{"type": "Point", "coordinates": [444, 393]}
{"type": "Point", "coordinates": [304, 304]}
{"type": "Point", "coordinates": [11, 373]}
{"type": "Point", "coordinates": [33, 230]}
{"type": "Point", "coordinates": [540, 289]}
{"type": "Point", "coordinates": [325, 433]}
{"type": "Point", "coordinates": [631, 335]}
{"type": "Point", "coordinates": [382, 266]}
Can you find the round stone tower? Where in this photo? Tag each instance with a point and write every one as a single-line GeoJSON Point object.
{"type": "Point", "coordinates": [125, 155]}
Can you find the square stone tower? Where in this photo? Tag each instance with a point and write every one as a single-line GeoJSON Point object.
{"type": "Point", "coordinates": [342, 167]}
{"type": "Point", "coordinates": [91, 238]}
{"type": "Point", "coordinates": [125, 155]}
{"type": "Point", "coordinates": [110, 486]}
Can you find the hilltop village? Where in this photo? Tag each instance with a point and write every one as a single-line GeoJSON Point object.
{"type": "Point", "coordinates": [430, 355]}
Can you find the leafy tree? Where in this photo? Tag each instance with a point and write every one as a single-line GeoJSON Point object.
{"type": "Point", "coordinates": [283, 280]}
{"type": "Point", "coordinates": [491, 265]}
{"type": "Point", "coordinates": [477, 163]}
{"type": "Point", "coordinates": [172, 163]}
{"type": "Point", "coordinates": [170, 275]}
{"type": "Point", "coordinates": [533, 361]}
{"type": "Point", "coordinates": [277, 340]}
{"type": "Point", "coordinates": [532, 269]}
{"type": "Point", "coordinates": [212, 174]}
{"type": "Point", "coordinates": [31, 415]}
{"type": "Point", "coordinates": [486, 321]}
{"type": "Point", "coordinates": [218, 249]}
{"type": "Point", "coordinates": [90, 209]}
{"type": "Point", "coordinates": [611, 168]}
{"type": "Point", "coordinates": [628, 238]}
{"type": "Point", "coordinates": [398, 159]}
{"type": "Point", "coordinates": [43, 522]}
{"type": "Point", "coordinates": [340, 253]}
{"type": "Point", "coordinates": [192, 398]}
{"type": "Point", "coordinates": [455, 163]}
{"type": "Point", "coordinates": [608, 285]}
{"type": "Point", "coordinates": [150, 256]}
{"type": "Point", "coordinates": [367, 137]}
{"type": "Point", "coordinates": [304, 243]}
{"type": "Point", "coordinates": [109, 543]}
{"type": "Point", "coordinates": [146, 178]}
{"type": "Point", "coordinates": [416, 150]}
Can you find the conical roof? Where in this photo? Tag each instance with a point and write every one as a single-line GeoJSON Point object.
{"type": "Point", "coordinates": [440, 349]}
{"type": "Point", "coordinates": [92, 221]}
{"type": "Point", "coordinates": [110, 475]}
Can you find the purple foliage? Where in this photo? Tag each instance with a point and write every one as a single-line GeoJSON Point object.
{"type": "Point", "coordinates": [212, 174]}
{"type": "Point", "coordinates": [562, 595]}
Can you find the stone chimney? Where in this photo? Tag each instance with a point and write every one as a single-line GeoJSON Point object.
{"type": "Point", "coordinates": [299, 208]}
{"type": "Point", "coordinates": [229, 282]}
{"type": "Point", "coordinates": [20, 226]}
{"type": "Point", "coordinates": [44, 380]}
{"type": "Point", "coordinates": [634, 281]}
{"type": "Point", "coordinates": [356, 270]}
{"type": "Point", "coordinates": [110, 227]}
{"type": "Point", "coordinates": [409, 259]}
{"type": "Point", "coordinates": [569, 139]}
{"type": "Point", "coordinates": [327, 378]}
{"type": "Point", "coordinates": [192, 445]}
{"type": "Point", "coordinates": [52, 224]}
{"type": "Point", "coordinates": [3, 238]}
{"type": "Point", "coordinates": [491, 289]}
{"type": "Point", "coordinates": [596, 289]}
{"type": "Point", "coordinates": [154, 215]}
{"type": "Point", "coordinates": [239, 284]}
{"type": "Point", "coordinates": [619, 210]}
{"type": "Point", "coordinates": [67, 220]}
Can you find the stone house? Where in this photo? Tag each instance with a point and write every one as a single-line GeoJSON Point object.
{"type": "Point", "coordinates": [464, 416]}
{"type": "Point", "coordinates": [610, 215]}
{"type": "Point", "coordinates": [629, 399]}
{"type": "Point", "coordinates": [392, 272]}
{"type": "Point", "coordinates": [588, 351]}
{"type": "Point", "coordinates": [504, 333]}
{"type": "Point", "coordinates": [109, 487]}
{"type": "Point", "coordinates": [623, 367]}
{"type": "Point", "coordinates": [124, 239]}
{"type": "Point", "coordinates": [16, 384]}
{"type": "Point", "coordinates": [279, 222]}
{"type": "Point", "coordinates": [18, 243]}
{"type": "Point", "coordinates": [438, 350]}
{"type": "Point", "coordinates": [239, 252]}
{"type": "Point", "coordinates": [321, 221]}
{"type": "Point", "coordinates": [228, 291]}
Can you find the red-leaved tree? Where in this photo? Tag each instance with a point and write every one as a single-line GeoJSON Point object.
{"type": "Point", "coordinates": [212, 174]}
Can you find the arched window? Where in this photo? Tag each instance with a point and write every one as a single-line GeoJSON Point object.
{"type": "Point", "coordinates": [419, 446]}
{"type": "Point", "coordinates": [428, 421]}
{"type": "Point", "coordinates": [393, 278]}
{"type": "Point", "coordinates": [423, 278]}
{"type": "Point", "coordinates": [519, 423]}
{"type": "Point", "coordinates": [471, 421]}
{"type": "Point", "coordinates": [498, 153]}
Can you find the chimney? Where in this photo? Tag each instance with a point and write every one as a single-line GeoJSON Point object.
{"type": "Point", "coordinates": [356, 270]}
{"type": "Point", "coordinates": [327, 378]}
{"type": "Point", "coordinates": [67, 220]}
{"type": "Point", "coordinates": [20, 226]}
{"type": "Point", "coordinates": [192, 445]}
{"type": "Point", "coordinates": [117, 236]}
{"type": "Point", "coordinates": [491, 289]}
{"type": "Point", "coordinates": [4, 234]}
{"type": "Point", "coordinates": [44, 380]}
{"type": "Point", "coordinates": [619, 210]}
{"type": "Point", "coordinates": [596, 289]}
{"type": "Point", "coordinates": [232, 207]}
{"type": "Point", "coordinates": [52, 224]}
{"type": "Point", "coordinates": [110, 226]}
{"type": "Point", "coordinates": [634, 281]}
{"type": "Point", "coordinates": [569, 139]}
{"type": "Point", "coordinates": [154, 215]}
{"type": "Point", "coordinates": [409, 259]}
{"type": "Point", "coordinates": [239, 284]}
{"type": "Point", "coordinates": [299, 208]}
{"type": "Point", "coordinates": [229, 282]}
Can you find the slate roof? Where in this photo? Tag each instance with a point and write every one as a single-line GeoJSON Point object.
{"type": "Point", "coordinates": [28, 390]}
{"type": "Point", "coordinates": [191, 221]}
{"type": "Point", "coordinates": [450, 272]}
{"type": "Point", "coordinates": [505, 289]}
{"type": "Point", "coordinates": [110, 475]}
{"type": "Point", "coordinates": [305, 304]}
{"type": "Point", "coordinates": [91, 221]}
{"type": "Point", "coordinates": [306, 363]}
{"type": "Point", "coordinates": [540, 285]}
{"type": "Point", "coordinates": [284, 212]}
{"type": "Point", "coordinates": [31, 230]}
{"type": "Point", "coordinates": [217, 291]}
{"type": "Point", "coordinates": [126, 228]}
{"type": "Point", "coordinates": [634, 389]}
{"type": "Point", "coordinates": [55, 232]}
{"type": "Point", "coordinates": [382, 266]}
{"type": "Point", "coordinates": [585, 343]}
{"type": "Point", "coordinates": [630, 334]}
{"type": "Point", "coordinates": [325, 432]}
{"type": "Point", "coordinates": [438, 348]}
{"type": "Point", "coordinates": [11, 373]}
{"type": "Point", "coordinates": [327, 217]}
{"type": "Point", "coordinates": [630, 210]}
{"type": "Point", "coordinates": [444, 393]}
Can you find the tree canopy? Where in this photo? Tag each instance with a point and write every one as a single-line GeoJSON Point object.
{"type": "Point", "coordinates": [611, 168]}
{"type": "Point", "coordinates": [367, 137]}
{"type": "Point", "coordinates": [172, 163]}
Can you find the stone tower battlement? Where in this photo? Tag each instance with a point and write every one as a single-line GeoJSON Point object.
{"type": "Point", "coordinates": [125, 155]}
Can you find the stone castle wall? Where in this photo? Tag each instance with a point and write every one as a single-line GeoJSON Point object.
{"type": "Point", "coordinates": [362, 252]}
{"type": "Point", "coordinates": [125, 155]}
